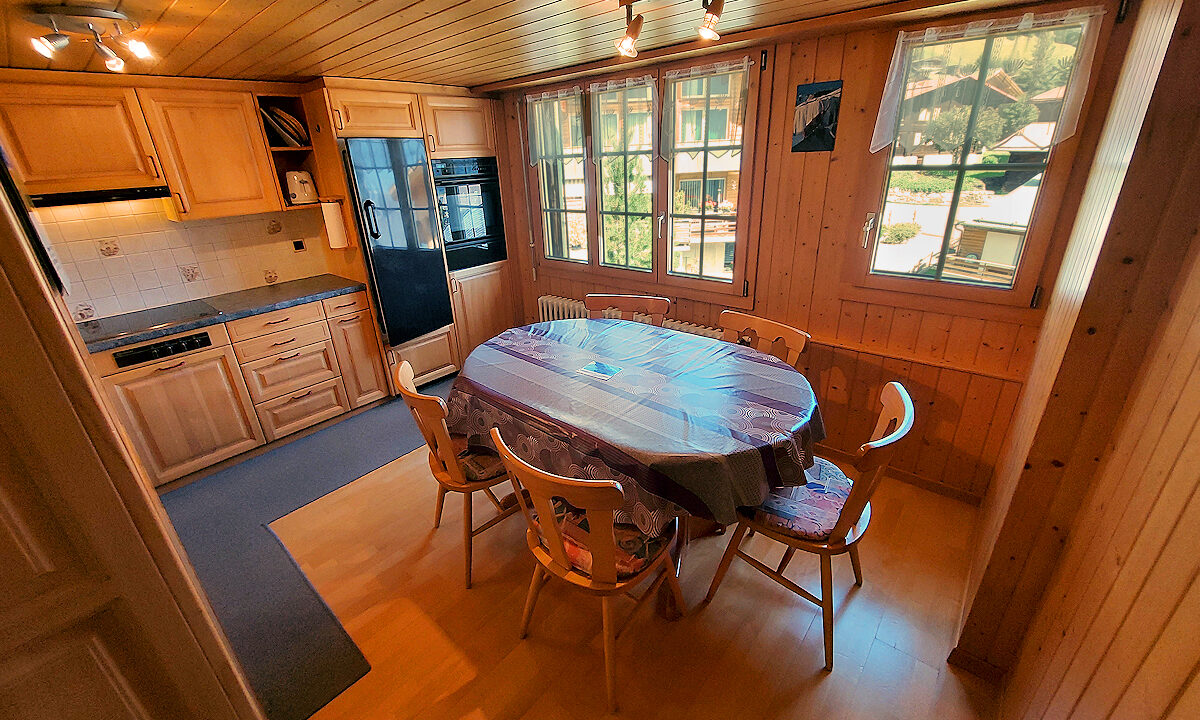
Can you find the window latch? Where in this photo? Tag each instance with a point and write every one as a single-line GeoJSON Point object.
{"type": "Point", "coordinates": [866, 230]}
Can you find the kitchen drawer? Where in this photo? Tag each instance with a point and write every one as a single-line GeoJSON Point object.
{"type": "Point", "coordinates": [277, 375]}
{"type": "Point", "coordinates": [298, 410]}
{"type": "Point", "coordinates": [273, 321]}
{"type": "Point", "coordinates": [280, 342]}
{"type": "Point", "coordinates": [345, 304]}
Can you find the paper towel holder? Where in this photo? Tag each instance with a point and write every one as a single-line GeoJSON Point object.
{"type": "Point", "coordinates": [337, 236]}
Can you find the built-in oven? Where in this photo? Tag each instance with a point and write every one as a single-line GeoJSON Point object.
{"type": "Point", "coordinates": [468, 191]}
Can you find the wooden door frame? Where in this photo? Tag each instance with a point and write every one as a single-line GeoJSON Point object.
{"type": "Point", "coordinates": [179, 616]}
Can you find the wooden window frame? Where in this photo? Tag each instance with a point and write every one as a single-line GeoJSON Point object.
{"type": "Point", "coordinates": [535, 191]}
{"type": "Point", "coordinates": [739, 292]}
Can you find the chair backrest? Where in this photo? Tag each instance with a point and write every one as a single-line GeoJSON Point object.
{"type": "Point", "coordinates": [652, 305]}
{"type": "Point", "coordinates": [783, 341]}
{"type": "Point", "coordinates": [596, 498]}
{"type": "Point", "coordinates": [895, 420]}
{"type": "Point", "coordinates": [429, 412]}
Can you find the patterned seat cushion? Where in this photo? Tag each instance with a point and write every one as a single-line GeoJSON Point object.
{"type": "Point", "coordinates": [478, 463]}
{"type": "Point", "coordinates": [635, 550]}
{"type": "Point", "coordinates": [807, 511]}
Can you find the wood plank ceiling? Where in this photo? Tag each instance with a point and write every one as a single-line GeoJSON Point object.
{"type": "Point", "coordinates": [455, 42]}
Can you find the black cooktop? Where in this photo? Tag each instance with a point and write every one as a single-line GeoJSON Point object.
{"type": "Point", "coordinates": [143, 320]}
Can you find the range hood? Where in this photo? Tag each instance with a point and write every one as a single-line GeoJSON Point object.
{"type": "Point", "coordinates": [98, 196]}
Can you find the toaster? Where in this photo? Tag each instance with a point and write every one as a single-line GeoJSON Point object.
{"type": "Point", "coordinates": [300, 188]}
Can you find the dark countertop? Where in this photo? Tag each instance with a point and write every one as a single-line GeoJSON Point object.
{"type": "Point", "coordinates": [135, 327]}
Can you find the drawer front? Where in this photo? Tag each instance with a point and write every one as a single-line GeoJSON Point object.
{"type": "Point", "coordinates": [277, 375]}
{"type": "Point", "coordinates": [345, 304]}
{"type": "Point", "coordinates": [431, 356]}
{"type": "Point", "coordinates": [280, 342]}
{"type": "Point", "coordinates": [276, 320]}
{"type": "Point", "coordinates": [298, 410]}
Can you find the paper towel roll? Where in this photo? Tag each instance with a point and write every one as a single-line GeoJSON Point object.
{"type": "Point", "coordinates": [335, 228]}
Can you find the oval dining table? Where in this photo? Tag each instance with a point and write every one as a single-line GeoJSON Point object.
{"type": "Point", "coordinates": [689, 425]}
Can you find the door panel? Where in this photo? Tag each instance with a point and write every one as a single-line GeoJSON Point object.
{"type": "Point", "coordinates": [358, 357]}
{"type": "Point", "coordinates": [371, 113]}
{"type": "Point", "coordinates": [458, 126]}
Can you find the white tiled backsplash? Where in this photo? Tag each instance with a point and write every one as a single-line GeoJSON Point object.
{"type": "Point", "coordinates": [123, 256]}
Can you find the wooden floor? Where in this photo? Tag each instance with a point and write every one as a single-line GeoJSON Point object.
{"type": "Point", "coordinates": [440, 651]}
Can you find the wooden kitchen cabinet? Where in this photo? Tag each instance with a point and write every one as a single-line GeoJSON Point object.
{"type": "Point", "coordinates": [298, 410]}
{"type": "Point", "coordinates": [458, 126]}
{"type": "Point", "coordinates": [213, 151]}
{"type": "Point", "coordinates": [357, 352]}
{"type": "Point", "coordinates": [374, 113]}
{"type": "Point", "coordinates": [483, 304]}
{"type": "Point", "coordinates": [75, 138]}
{"type": "Point", "coordinates": [287, 372]}
{"type": "Point", "coordinates": [185, 413]}
{"type": "Point", "coordinates": [432, 355]}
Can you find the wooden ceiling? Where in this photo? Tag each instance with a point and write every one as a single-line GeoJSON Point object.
{"type": "Point", "coordinates": [454, 42]}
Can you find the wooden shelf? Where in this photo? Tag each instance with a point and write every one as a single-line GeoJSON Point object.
{"type": "Point", "coordinates": [303, 148]}
{"type": "Point", "coordinates": [303, 206]}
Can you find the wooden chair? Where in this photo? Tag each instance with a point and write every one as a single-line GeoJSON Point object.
{"type": "Point", "coordinates": [826, 517]}
{"type": "Point", "coordinates": [456, 467]}
{"type": "Point", "coordinates": [606, 559]}
{"type": "Point", "coordinates": [654, 306]}
{"type": "Point", "coordinates": [783, 341]}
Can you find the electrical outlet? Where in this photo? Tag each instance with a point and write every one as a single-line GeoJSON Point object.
{"type": "Point", "coordinates": [298, 245]}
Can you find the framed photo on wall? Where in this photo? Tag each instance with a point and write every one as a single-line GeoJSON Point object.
{"type": "Point", "coordinates": [814, 124]}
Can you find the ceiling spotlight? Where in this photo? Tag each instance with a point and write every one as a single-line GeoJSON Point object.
{"type": "Point", "coordinates": [139, 49]}
{"type": "Point", "coordinates": [627, 45]}
{"type": "Point", "coordinates": [712, 16]}
{"type": "Point", "coordinates": [50, 43]}
{"type": "Point", "coordinates": [112, 61]}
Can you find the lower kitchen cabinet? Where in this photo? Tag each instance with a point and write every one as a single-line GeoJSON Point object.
{"type": "Point", "coordinates": [287, 372]}
{"type": "Point", "coordinates": [186, 413]}
{"type": "Point", "coordinates": [483, 305]}
{"type": "Point", "coordinates": [432, 355]}
{"type": "Point", "coordinates": [298, 410]}
{"type": "Point", "coordinates": [357, 352]}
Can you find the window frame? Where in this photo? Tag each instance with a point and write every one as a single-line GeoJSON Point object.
{"type": "Point", "coordinates": [535, 190]}
{"type": "Point", "coordinates": [1039, 237]}
{"type": "Point", "coordinates": [739, 292]}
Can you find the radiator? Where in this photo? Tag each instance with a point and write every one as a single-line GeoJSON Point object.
{"type": "Point", "coordinates": [553, 307]}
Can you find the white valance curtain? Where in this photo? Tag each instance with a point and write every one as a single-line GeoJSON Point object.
{"type": "Point", "coordinates": [544, 124]}
{"type": "Point", "coordinates": [609, 86]}
{"type": "Point", "coordinates": [737, 112]}
{"type": "Point", "coordinates": [893, 92]}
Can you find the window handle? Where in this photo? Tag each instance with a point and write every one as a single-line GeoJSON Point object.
{"type": "Point", "coordinates": [661, 217]}
{"type": "Point", "coordinates": [866, 231]}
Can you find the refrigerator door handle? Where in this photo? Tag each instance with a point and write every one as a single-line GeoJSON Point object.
{"type": "Point", "coordinates": [372, 223]}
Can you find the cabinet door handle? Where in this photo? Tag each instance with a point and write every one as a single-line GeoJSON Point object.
{"type": "Point", "coordinates": [337, 119]}
{"type": "Point", "coordinates": [339, 307]}
{"type": "Point", "coordinates": [276, 322]}
{"type": "Point", "coordinates": [294, 398]}
{"type": "Point", "coordinates": [432, 144]}
{"type": "Point", "coordinates": [181, 203]}
{"type": "Point", "coordinates": [283, 342]}
{"type": "Point", "coordinates": [154, 166]}
{"type": "Point", "coordinates": [170, 367]}
{"type": "Point", "coordinates": [288, 357]}
{"type": "Point", "coordinates": [343, 321]}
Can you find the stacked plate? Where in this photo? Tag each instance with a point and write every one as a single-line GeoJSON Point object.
{"type": "Point", "coordinates": [290, 130]}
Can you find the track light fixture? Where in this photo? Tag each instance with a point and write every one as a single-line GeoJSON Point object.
{"type": "Point", "coordinates": [50, 43]}
{"type": "Point", "coordinates": [712, 16]}
{"type": "Point", "coordinates": [92, 23]}
{"type": "Point", "coordinates": [112, 61]}
{"type": "Point", "coordinates": [627, 45]}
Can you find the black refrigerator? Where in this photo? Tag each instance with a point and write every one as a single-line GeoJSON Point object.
{"type": "Point", "coordinates": [400, 224]}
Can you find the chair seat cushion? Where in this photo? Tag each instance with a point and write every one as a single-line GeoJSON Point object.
{"type": "Point", "coordinates": [634, 549]}
{"type": "Point", "coordinates": [479, 464]}
{"type": "Point", "coordinates": [807, 511]}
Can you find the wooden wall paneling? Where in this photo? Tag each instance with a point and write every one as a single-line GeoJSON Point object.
{"type": "Point", "coordinates": [945, 414]}
{"type": "Point", "coordinates": [964, 340]}
{"type": "Point", "coordinates": [1095, 332]}
{"type": "Point", "coordinates": [851, 320]}
{"type": "Point", "coordinates": [877, 326]}
{"type": "Point", "coordinates": [863, 410]}
{"type": "Point", "coordinates": [922, 386]}
{"type": "Point", "coordinates": [257, 32]}
{"type": "Point", "coordinates": [210, 24]}
{"type": "Point", "coordinates": [997, 431]}
{"type": "Point", "coordinates": [970, 434]}
{"type": "Point", "coordinates": [902, 335]}
{"type": "Point", "coordinates": [996, 346]}
{"type": "Point", "coordinates": [510, 146]}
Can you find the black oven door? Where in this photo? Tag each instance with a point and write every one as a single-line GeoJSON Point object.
{"type": "Point", "coordinates": [473, 253]}
{"type": "Point", "coordinates": [470, 210]}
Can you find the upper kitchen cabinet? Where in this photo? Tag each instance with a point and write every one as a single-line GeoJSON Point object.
{"type": "Point", "coordinates": [74, 138]}
{"type": "Point", "coordinates": [213, 151]}
{"type": "Point", "coordinates": [458, 126]}
{"type": "Point", "coordinates": [374, 113]}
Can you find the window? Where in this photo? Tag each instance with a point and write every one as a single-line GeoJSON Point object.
{"type": "Point", "coordinates": [557, 144]}
{"type": "Point", "coordinates": [973, 136]}
{"type": "Point", "coordinates": [705, 172]}
{"type": "Point", "coordinates": [624, 158]}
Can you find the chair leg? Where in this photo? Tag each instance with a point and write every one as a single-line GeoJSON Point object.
{"type": "Point", "coordinates": [827, 608]}
{"type": "Point", "coordinates": [535, 588]}
{"type": "Point", "coordinates": [676, 591]}
{"type": "Point", "coordinates": [610, 651]}
{"type": "Point", "coordinates": [467, 534]}
{"type": "Point", "coordinates": [437, 512]}
{"type": "Point", "coordinates": [856, 564]}
{"type": "Point", "coordinates": [726, 559]}
{"type": "Point", "coordinates": [787, 558]}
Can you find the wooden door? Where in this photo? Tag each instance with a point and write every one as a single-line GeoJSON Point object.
{"type": "Point", "coordinates": [372, 113]}
{"type": "Point", "coordinates": [358, 357]}
{"type": "Point", "coordinates": [483, 304]}
{"type": "Point", "coordinates": [458, 126]}
{"type": "Point", "coordinates": [186, 413]}
{"type": "Point", "coordinates": [73, 138]}
{"type": "Point", "coordinates": [100, 614]}
{"type": "Point", "coordinates": [213, 151]}
{"type": "Point", "coordinates": [432, 356]}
